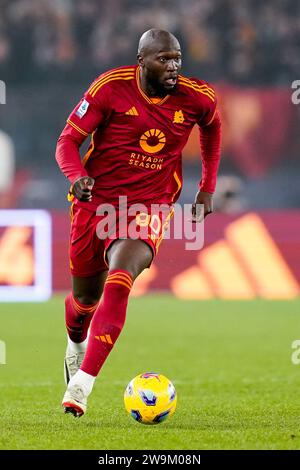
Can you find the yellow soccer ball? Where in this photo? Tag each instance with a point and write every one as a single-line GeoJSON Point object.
{"type": "Point", "coordinates": [150, 398]}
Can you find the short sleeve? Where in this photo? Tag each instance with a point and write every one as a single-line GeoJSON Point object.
{"type": "Point", "coordinates": [207, 103]}
{"type": "Point", "coordinates": [92, 110]}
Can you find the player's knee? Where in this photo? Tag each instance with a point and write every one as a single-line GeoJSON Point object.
{"type": "Point", "coordinates": [133, 268]}
{"type": "Point", "coordinates": [85, 299]}
{"type": "Point", "coordinates": [131, 255]}
{"type": "Point", "coordinates": [138, 268]}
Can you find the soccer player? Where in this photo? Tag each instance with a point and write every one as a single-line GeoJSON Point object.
{"type": "Point", "coordinates": [140, 118]}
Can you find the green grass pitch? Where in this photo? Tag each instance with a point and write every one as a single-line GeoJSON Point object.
{"type": "Point", "coordinates": [229, 361]}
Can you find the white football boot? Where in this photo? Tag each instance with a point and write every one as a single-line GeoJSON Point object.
{"type": "Point", "coordinates": [75, 400]}
{"type": "Point", "coordinates": [72, 363]}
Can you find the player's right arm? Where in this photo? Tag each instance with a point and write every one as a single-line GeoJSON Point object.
{"type": "Point", "coordinates": [90, 112]}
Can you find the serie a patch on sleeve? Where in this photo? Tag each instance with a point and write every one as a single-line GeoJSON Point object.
{"type": "Point", "coordinates": [80, 112]}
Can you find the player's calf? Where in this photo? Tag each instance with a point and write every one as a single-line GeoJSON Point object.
{"type": "Point", "coordinates": [106, 326]}
{"type": "Point", "coordinates": [78, 318]}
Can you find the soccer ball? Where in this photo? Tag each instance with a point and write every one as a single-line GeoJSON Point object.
{"type": "Point", "coordinates": [150, 398]}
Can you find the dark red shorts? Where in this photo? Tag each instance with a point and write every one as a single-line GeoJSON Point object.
{"type": "Point", "coordinates": [91, 235]}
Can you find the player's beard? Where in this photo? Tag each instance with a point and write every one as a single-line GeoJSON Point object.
{"type": "Point", "coordinates": [159, 88]}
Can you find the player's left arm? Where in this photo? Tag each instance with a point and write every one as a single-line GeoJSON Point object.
{"type": "Point", "coordinates": [210, 146]}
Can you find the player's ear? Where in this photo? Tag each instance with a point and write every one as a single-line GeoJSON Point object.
{"type": "Point", "coordinates": [140, 60]}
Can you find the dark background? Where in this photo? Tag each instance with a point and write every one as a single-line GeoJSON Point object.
{"type": "Point", "coordinates": [50, 51]}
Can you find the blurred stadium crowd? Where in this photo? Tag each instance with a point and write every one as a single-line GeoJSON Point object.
{"type": "Point", "coordinates": [246, 42]}
{"type": "Point", "coordinates": [51, 50]}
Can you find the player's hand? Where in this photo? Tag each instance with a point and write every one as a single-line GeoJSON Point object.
{"type": "Point", "coordinates": [202, 206]}
{"type": "Point", "coordinates": [82, 188]}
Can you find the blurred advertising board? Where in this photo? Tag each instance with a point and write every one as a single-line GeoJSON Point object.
{"type": "Point", "coordinates": [245, 256]}
{"type": "Point", "coordinates": [25, 255]}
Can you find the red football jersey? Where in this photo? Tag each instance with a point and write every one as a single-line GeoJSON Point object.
{"type": "Point", "coordinates": [137, 142]}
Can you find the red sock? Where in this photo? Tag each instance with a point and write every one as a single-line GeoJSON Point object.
{"type": "Point", "coordinates": [108, 320]}
{"type": "Point", "coordinates": [78, 318]}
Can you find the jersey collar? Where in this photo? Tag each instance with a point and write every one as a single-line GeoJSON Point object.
{"type": "Point", "coordinates": [137, 76]}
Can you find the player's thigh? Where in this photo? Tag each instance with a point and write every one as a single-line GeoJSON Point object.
{"type": "Point", "coordinates": [132, 255]}
{"type": "Point", "coordinates": [86, 251]}
{"type": "Point", "coordinates": [88, 290]}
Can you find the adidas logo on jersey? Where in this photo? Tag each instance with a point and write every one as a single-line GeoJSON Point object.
{"type": "Point", "coordinates": [132, 111]}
